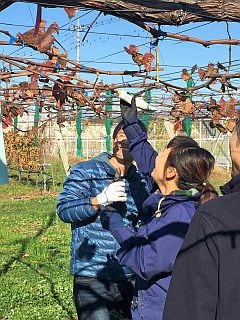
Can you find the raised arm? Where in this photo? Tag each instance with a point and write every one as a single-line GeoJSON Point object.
{"type": "Point", "coordinates": [80, 199]}
{"type": "Point", "coordinates": [142, 151]}
{"type": "Point", "coordinates": [152, 249]}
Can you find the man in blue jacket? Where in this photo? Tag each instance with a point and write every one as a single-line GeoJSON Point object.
{"type": "Point", "coordinates": [206, 281]}
{"type": "Point", "coordinates": [101, 285]}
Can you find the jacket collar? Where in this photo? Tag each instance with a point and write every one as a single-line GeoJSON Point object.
{"type": "Point", "coordinates": [232, 186]}
{"type": "Point", "coordinates": [104, 157]}
{"type": "Point", "coordinates": [158, 204]}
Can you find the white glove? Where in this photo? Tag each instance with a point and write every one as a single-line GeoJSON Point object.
{"type": "Point", "coordinates": [113, 193]}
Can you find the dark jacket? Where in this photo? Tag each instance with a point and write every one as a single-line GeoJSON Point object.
{"type": "Point", "coordinates": [232, 186]}
{"type": "Point", "coordinates": [93, 249]}
{"type": "Point", "coordinates": [142, 152]}
{"type": "Point", "coordinates": [206, 281]}
{"type": "Point", "coordinates": [151, 251]}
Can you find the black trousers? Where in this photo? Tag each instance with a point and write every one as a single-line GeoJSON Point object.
{"type": "Point", "coordinates": [97, 299]}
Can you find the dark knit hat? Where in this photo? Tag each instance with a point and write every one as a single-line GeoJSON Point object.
{"type": "Point", "coordinates": [120, 126]}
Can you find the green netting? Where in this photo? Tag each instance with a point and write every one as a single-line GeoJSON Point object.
{"type": "Point", "coordinates": [190, 84]}
{"type": "Point", "coordinates": [36, 116]}
{"type": "Point", "coordinates": [148, 96]}
{"type": "Point", "coordinates": [79, 151]}
{"type": "Point", "coordinates": [35, 123]}
{"type": "Point", "coordinates": [108, 121]}
{"type": "Point", "coordinates": [187, 125]}
{"type": "Point", "coordinates": [15, 123]}
{"type": "Point", "coordinates": [145, 117]}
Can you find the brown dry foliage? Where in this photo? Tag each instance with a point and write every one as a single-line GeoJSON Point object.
{"type": "Point", "coordinates": [23, 151]}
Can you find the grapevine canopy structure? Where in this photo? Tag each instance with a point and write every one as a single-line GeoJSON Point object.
{"type": "Point", "coordinates": [40, 76]}
{"type": "Point", "coordinates": [58, 85]}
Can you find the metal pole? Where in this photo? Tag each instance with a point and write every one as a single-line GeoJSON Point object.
{"type": "Point", "coordinates": [78, 40]}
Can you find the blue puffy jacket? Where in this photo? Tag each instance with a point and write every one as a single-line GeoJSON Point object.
{"type": "Point", "coordinates": [93, 249]}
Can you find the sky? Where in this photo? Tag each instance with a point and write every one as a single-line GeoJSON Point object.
{"type": "Point", "coordinates": [103, 46]}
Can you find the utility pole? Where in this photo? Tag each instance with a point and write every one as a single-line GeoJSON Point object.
{"type": "Point", "coordinates": [78, 40]}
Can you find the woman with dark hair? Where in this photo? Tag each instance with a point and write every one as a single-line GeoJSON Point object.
{"type": "Point", "coordinates": [210, 257]}
{"type": "Point", "coordinates": [139, 146]}
{"type": "Point", "coordinates": [178, 178]}
{"type": "Point", "coordinates": [181, 174]}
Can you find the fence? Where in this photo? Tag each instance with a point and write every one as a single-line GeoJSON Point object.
{"type": "Point", "coordinates": [214, 141]}
{"type": "Point", "coordinates": [94, 140]}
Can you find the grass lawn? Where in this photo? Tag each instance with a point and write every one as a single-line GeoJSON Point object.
{"type": "Point", "coordinates": [34, 265]}
{"type": "Point", "coordinates": [35, 281]}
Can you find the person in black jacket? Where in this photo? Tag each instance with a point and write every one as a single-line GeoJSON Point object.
{"type": "Point", "coordinates": [206, 278]}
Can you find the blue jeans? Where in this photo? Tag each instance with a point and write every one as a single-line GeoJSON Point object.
{"type": "Point", "coordinates": [97, 299]}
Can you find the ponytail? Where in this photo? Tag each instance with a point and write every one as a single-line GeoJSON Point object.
{"type": "Point", "coordinates": [208, 192]}
{"type": "Point", "coordinates": [194, 166]}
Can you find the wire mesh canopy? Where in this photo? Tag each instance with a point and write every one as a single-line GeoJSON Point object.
{"type": "Point", "coordinates": [172, 12]}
